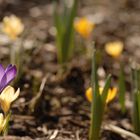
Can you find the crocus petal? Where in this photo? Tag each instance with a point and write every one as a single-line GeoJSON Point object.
{"type": "Point", "coordinates": [11, 73]}
{"type": "Point", "coordinates": [14, 97]}
{"type": "Point", "coordinates": [7, 92]}
{"type": "Point", "coordinates": [8, 67]}
{"type": "Point", "coordinates": [5, 106]}
{"type": "Point", "coordinates": [3, 82]}
{"type": "Point", "coordinates": [7, 75]}
{"type": "Point", "coordinates": [6, 98]}
{"type": "Point", "coordinates": [1, 71]}
{"type": "Point", "coordinates": [114, 48]}
{"type": "Point", "coordinates": [84, 27]}
{"type": "Point", "coordinates": [1, 119]}
{"type": "Point", "coordinates": [12, 26]}
{"type": "Point", "coordinates": [111, 94]}
{"type": "Point", "coordinates": [89, 94]}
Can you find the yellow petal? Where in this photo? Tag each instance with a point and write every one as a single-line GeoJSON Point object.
{"type": "Point", "coordinates": [15, 96]}
{"type": "Point", "coordinates": [1, 119]}
{"type": "Point", "coordinates": [84, 27]}
{"type": "Point", "coordinates": [100, 90]}
{"type": "Point", "coordinates": [7, 96]}
{"type": "Point", "coordinates": [7, 93]}
{"type": "Point", "coordinates": [5, 105]}
{"type": "Point", "coordinates": [2, 122]}
{"type": "Point", "coordinates": [89, 94]}
{"type": "Point", "coordinates": [12, 26]}
{"type": "Point", "coordinates": [111, 94]}
{"type": "Point", "coordinates": [114, 48]}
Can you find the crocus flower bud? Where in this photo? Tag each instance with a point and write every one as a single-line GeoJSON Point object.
{"type": "Point", "coordinates": [7, 96]}
{"type": "Point", "coordinates": [114, 48]}
{"type": "Point", "coordinates": [12, 26]}
{"type": "Point", "coordinates": [84, 27]}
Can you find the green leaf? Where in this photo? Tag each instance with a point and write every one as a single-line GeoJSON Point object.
{"type": "Point", "coordinates": [94, 76]}
{"type": "Point", "coordinates": [136, 122]}
{"type": "Point", "coordinates": [59, 28]}
{"type": "Point", "coordinates": [138, 100]}
{"type": "Point", "coordinates": [67, 40]}
{"type": "Point", "coordinates": [65, 31]}
{"type": "Point", "coordinates": [122, 89]}
{"type": "Point", "coordinates": [106, 88]}
{"type": "Point", "coordinates": [136, 78]}
{"type": "Point", "coordinates": [96, 118]}
{"type": "Point", "coordinates": [57, 19]}
{"type": "Point", "coordinates": [6, 127]}
{"type": "Point", "coordinates": [96, 106]}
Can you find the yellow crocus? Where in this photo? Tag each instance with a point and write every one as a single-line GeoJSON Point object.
{"type": "Point", "coordinates": [2, 122]}
{"type": "Point", "coordinates": [84, 27]}
{"type": "Point", "coordinates": [114, 48]}
{"type": "Point", "coordinates": [7, 96]}
{"type": "Point", "coordinates": [12, 26]}
{"type": "Point", "coordinates": [110, 96]}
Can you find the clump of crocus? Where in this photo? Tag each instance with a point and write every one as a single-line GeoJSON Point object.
{"type": "Point", "coordinates": [110, 96]}
{"type": "Point", "coordinates": [100, 97]}
{"type": "Point", "coordinates": [12, 26]}
{"type": "Point", "coordinates": [64, 21]}
{"type": "Point", "coordinates": [84, 27]}
{"type": "Point", "coordinates": [114, 48]}
{"type": "Point", "coordinates": [7, 95]}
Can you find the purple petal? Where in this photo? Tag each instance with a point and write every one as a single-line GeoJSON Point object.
{"type": "Point", "coordinates": [11, 73]}
{"type": "Point", "coordinates": [3, 82]}
{"type": "Point", "coordinates": [1, 72]}
{"type": "Point", "coordinates": [8, 67]}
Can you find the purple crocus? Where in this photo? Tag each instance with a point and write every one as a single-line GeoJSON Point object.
{"type": "Point", "coordinates": [7, 75]}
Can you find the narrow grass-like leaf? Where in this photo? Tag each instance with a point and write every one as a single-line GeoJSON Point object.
{"type": "Point", "coordinates": [59, 28]}
{"type": "Point", "coordinates": [68, 35]}
{"type": "Point", "coordinates": [6, 127]}
{"type": "Point", "coordinates": [96, 106]}
{"type": "Point", "coordinates": [96, 118]}
{"type": "Point", "coordinates": [136, 78]}
{"type": "Point", "coordinates": [136, 100]}
{"type": "Point", "coordinates": [122, 89]}
{"type": "Point", "coordinates": [135, 116]}
{"type": "Point", "coordinates": [65, 30]}
{"type": "Point", "coordinates": [106, 88]}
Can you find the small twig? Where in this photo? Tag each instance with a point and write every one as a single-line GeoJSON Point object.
{"type": "Point", "coordinates": [35, 99]}
{"type": "Point", "coordinates": [121, 131]}
{"type": "Point", "coordinates": [43, 84]}
{"type": "Point", "coordinates": [22, 117]}
{"type": "Point", "coordinates": [75, 122]}
{"type": "Point", "coordinates": [77, 135]}
{"type": "Point", "coordinates": [64, 132]}
{"type": "Point", "coordinates": [54, 135]}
